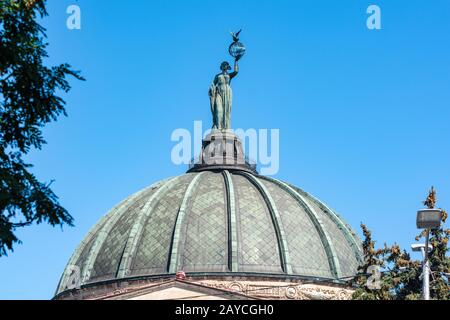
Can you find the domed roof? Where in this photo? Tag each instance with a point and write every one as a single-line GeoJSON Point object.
{"type": "Point", "coordinates": [231, 222]}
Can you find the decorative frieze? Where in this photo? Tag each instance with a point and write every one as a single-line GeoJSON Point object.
{"type": "Point", "coordinates": [282, 290]}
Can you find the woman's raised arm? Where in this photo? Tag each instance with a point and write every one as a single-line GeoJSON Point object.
{"type": "Point", "coordinates": [235, 71]}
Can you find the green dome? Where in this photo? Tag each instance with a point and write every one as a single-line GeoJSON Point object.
{"type": "Point", "coordinates": [218, 222]}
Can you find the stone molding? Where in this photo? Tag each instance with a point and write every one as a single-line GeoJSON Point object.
{"type": "Point", "coordinates": [282, 290]}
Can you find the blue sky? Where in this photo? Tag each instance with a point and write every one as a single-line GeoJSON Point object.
{"type": "Point", "coordinates": [363, 114]}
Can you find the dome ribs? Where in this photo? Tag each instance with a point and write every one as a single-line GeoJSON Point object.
{"type": "Point", "coordinates": [76, 255]}
{"type": "Point", "coordinates": [232, 228]}
{"type": "Point", "coordinates": [135, 234]}
{"type": "Point", "coordinates": [325, 238]}
{"type": "Point", "coordinates": [279, 230]}
{"type": "Point", "coordinates": [347, 232]}
{"type": "Point", "coordinates": [221, 222]}
{"type": "Point", "coordinates": [106, 228]}
{"type": "Point", "coordinates": [204, 235]}
{"type": "Point", "coordinates": [174, 254]}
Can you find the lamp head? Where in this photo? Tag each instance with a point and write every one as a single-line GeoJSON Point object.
{"type": "Point", "coordinates": [429, 218]}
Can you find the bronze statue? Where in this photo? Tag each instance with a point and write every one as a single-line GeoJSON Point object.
{"type": "Point", "coordinates": [220, 93]}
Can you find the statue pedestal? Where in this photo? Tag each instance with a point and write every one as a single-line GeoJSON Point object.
{"type": "Point", "coordinates": [222, 150]}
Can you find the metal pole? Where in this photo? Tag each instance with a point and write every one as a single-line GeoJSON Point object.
{"type": "Point", "coordinates": [426, 270]}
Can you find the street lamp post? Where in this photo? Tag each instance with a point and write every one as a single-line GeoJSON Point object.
{"type": "Point", "coordinates": [425, 267]}
{"type": "Point", "coordinates": [427, 219]}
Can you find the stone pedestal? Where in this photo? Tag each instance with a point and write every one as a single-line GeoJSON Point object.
{"type": "Point", "coordinates": [222, 150]}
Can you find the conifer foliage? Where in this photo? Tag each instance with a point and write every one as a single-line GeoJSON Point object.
{"type": "Point", "coordinates": [400, 276]}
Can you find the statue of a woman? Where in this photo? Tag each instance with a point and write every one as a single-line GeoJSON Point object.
{"type": "Point", "coordinates": [221, 96]}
